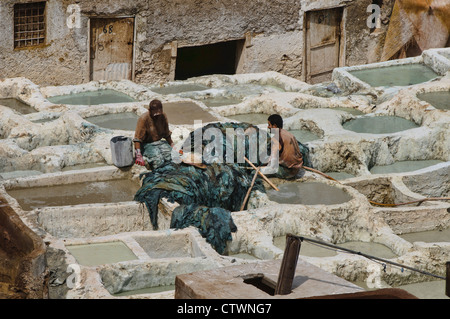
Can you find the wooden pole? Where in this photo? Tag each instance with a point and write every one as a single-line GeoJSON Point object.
{"type": "Point", "coordinates": [288, 265]}
{"type": "Point", "coordinates": [250, 188]}
{"type": "Point", "coordinates": [447, 280]}
{"type": "Point", "coordinates": [319, 172]}
{"type": "Point", "coordinates": [262, 175]}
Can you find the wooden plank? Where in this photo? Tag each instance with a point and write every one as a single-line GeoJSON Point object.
{"type": "Point", "coordinates": [322, 43]}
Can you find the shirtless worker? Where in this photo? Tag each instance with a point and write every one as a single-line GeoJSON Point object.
{"type": "Point", "coordinates": [290, 158]}
{"type": "Point", "coordinates": [151, 128]}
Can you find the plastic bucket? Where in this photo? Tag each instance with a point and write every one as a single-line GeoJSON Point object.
{"type": "Point", "coordinates": [122, 151]}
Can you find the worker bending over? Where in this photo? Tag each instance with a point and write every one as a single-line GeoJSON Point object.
{"type": "Point", "coordinates": [152, 127]}
{"type": "Point", "coordinates": [290, 159]}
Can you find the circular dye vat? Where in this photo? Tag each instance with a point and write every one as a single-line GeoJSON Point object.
{"type": "Point", "coordinates": [116, 121]}
{"type": "Point", "coordinates": [252, 118]}
{"type": "Point", "coordinates": [304, 135]}
{"type": "Point", "coordinates": [308, 193]}
{"type": "Point", "coordinates": [439, 99]}
{"type": "Point", "coordinates": [396, 75]}
{"type": "Point", "coordinates": [403, 166]}
{"type": "Point", "coordinates": [92, 98]}
{"type": "Point", "coordinates": [379, 124]}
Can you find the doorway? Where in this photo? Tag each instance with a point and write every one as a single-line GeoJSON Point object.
{"type": "Point", "coordinates": [216, 58]}
{"type": "Point", "coordinates": [111, 48]}
{"type": "Point", "coordinates": [323, 44]}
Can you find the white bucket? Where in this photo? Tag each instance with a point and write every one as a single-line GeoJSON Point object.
{"type": "Point", "coordinates": [122, 151]}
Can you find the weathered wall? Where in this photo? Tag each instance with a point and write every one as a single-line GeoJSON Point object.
{"type": "Point", "coordinates": [363, 44]}
{"type": "Point", "coordinates": [272, 30]}
{"type": "Point", "coordinates": [62, 60]}
{"type": "Point", "coordinates": [195, 22]}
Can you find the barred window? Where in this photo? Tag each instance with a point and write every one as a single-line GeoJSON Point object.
{"type": "Point", "coordinates": [29, 24]}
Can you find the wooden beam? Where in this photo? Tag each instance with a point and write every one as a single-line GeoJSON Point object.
{"type": "Point", "coordinates": [288, 265]}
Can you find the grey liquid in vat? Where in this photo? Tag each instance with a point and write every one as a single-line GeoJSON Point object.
{"type": "Point", "coordinates": [308, 193]}
{"type": "Point", "coordinates": [439, 99]}
{"type": "Point", "coordinates": [112, 191]}
{"type": "Point", "coordinates": [403, 166]}
{"type": "Point", "coordinates": [379, 124]}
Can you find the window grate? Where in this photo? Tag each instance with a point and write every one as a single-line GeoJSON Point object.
{"type": "Point", "coordinates": [29, 24]}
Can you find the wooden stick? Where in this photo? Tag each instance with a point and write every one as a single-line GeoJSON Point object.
{"type": "Point", "coordinates": [319, 172]}
{"type": "Point", "coordinates": [250, 188]}
{"type": "Point", "coordinates": [262, 175]}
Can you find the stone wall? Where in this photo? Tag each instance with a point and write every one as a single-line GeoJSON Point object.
{"type": "Point", "coordinates": [272, 32]}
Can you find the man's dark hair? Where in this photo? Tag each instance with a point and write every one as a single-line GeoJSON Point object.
{"type": "Point", "coordinates": [276, 119]}
{"type": "Point", "coordinates": [155, 104]}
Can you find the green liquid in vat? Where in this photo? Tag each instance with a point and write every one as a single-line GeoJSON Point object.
{"type": "Point", "coordinates": [101, 253]}
{"type": "Point", "coordinates": [92, 98]}
{"type": "Point", "coordinates": [396, 75]}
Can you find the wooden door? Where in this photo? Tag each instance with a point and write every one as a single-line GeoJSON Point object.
{"type": "Point", "coordinates": [111, 48]}
{"type": "Point", "coordinates": [323, 30]}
